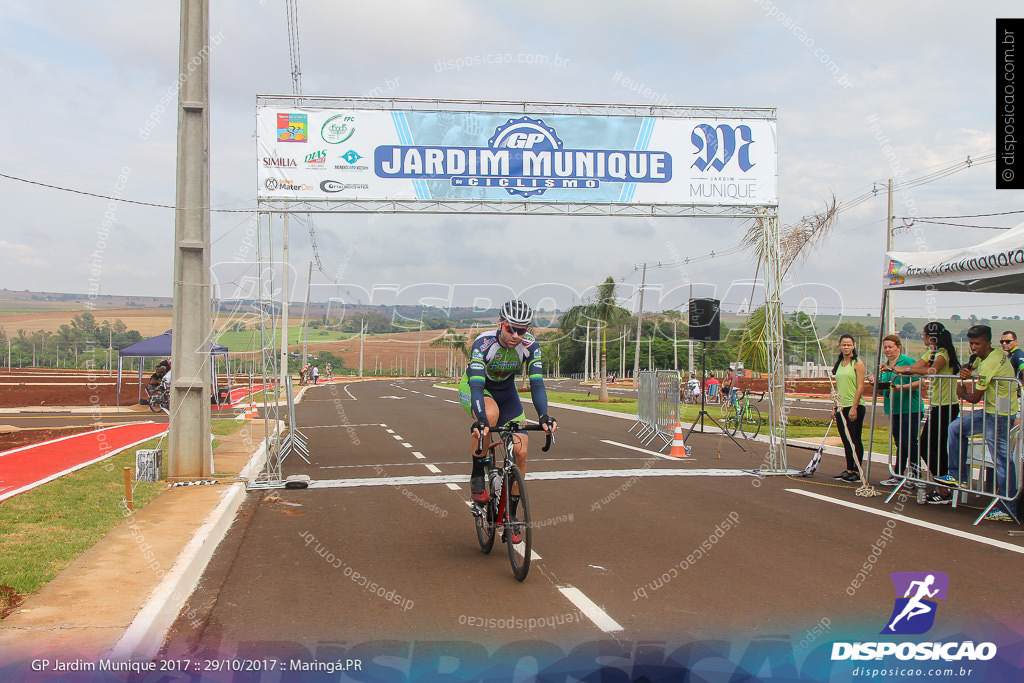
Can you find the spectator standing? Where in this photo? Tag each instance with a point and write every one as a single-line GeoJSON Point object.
{"type": "Point", "coordinates": [316, 374]}
{"type": "Point", "coordinates": [939, 358]}
{"type": "Point", "coordinates": [903, 405]}
{"type": "Point", "coordinates": [1008, 342]}
{"type": "Point", "coordinates": [849, 413]}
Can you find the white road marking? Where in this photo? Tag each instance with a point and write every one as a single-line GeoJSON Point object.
{"type": "Point", "coordinates": [642, 450]}
{"type": "Point", "coordinates": [430, 396]}
{"type": "Point", "coordinates": [417, 454]}
{"type": "Point", "coordinates": [397, 436]}
{"type": "Point", "coordinates": [390, 431]}
{"type": "Point", "coordinates": [407, 445]}
{"type": "Point", "coordinates": [448, 400]}
{"type": "Point", "coordinates": [590, 609]}
{"type": "Point", "coordinates": [454, 487]}
{"type": "Point", "coordinates": [350, 393]}
{"type": "Point", "coordinates": [338, 425]}
{"type": "Point", "coordinates": [533, 476]}
{"type": "Point", "coordinates": [917, 522]}
{"type": "Point", "coordinates": [433, 469]}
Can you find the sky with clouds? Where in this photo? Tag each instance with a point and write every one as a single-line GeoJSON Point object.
{"type": "Point", "coordinates": [863, 91]}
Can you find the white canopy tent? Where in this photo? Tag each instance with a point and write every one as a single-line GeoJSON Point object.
{"type": "Point", "coordinates": [995, 265]}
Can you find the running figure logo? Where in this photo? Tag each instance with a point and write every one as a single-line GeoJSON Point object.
{"type": "Point", "coordinates": [914, 613]}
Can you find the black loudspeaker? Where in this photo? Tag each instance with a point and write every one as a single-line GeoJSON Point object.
{"type": "Point", "coordinates": [704, 320]}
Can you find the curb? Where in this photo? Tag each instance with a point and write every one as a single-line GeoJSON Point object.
{"type": "Point", "coordinates": [144, 637]}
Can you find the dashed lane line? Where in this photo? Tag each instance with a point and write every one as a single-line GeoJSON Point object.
{"type": "Point", "coordinates": [588, 607]}
{"type": "Point", "coordinates": [642, 450]}
{"type": "Point", "coordinates": [433, 468]}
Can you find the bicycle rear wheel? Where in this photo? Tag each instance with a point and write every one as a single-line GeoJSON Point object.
{"type": "Point", "coordinates": [751, 422]}
{"type": "Point", "coordinates": [155, 402]}
{"type": "Point", "coordinates": [730, 421]}
{"type": "Point", "coordinates": [518, 553]}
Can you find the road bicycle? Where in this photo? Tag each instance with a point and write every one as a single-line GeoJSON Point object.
{"type": "Point", "coordinates": [497, 510]}
{"type": "Point", "coordinates": [740, 414]}
{"type": "Point", "coordinates": [160, 398]}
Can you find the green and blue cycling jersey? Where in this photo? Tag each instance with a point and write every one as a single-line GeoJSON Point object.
{"type": "Point", "coordinates": [492, 372]}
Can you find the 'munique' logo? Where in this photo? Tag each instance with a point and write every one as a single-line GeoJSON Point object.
{"type": "Point", "coordinates": [716, 146]}
{"type": "Point", "coordinates": [914, 612]}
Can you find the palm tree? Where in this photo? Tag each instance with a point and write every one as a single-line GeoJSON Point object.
{"type": "Point", "coordinates": [795, 239]}
{"type": "Point", "coordinates": [604, 313]}
{"type": "Point", "coordinates": [453, 341]}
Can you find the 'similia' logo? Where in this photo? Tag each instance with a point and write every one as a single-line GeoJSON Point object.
{"type": "Point", "coordinates": [279, 162]}
{"type": "Point", "coordinates": [914, 612]}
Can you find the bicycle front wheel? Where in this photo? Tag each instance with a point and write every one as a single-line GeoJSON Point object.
{"type": "Point", "coordinates": [154, 404]}
{"type": "Point", "coordinates": [484, 518]}
{"type": "Point", "coordinates": [751, 422]}
{"type": "Point", "coordinates": [730, 421]}
{"type": "Point", "coordinates": [518, 553]}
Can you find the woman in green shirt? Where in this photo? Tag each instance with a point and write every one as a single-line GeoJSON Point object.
{"type": "Point", "coordinates": [904, 407]}
{"type": "Point", "coordinates": [940, 358]}
{"type": "Point", "coordinates": [849, 414]}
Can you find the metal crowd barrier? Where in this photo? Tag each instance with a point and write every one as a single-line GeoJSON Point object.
{"type": "Point", "coordinates": [657, 406]}
{"type": "Point", "coordinates": [991, 465]}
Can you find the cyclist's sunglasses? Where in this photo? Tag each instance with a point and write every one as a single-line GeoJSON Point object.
{"type": "Point", "coordinates": [515, 329]}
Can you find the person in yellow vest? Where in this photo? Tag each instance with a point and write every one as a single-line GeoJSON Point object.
{"type": "Point", "coordinates": [994, 384]}
{"type": "Point", "coordinates": [939, 358]}
{"type": "Point", "coordinates": [849, 412]}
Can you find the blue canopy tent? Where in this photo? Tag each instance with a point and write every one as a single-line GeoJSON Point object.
{"type": "Point", "coordinates": [160, 346]}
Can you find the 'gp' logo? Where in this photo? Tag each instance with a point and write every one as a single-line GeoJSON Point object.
{"type": "Point", "coordinates": [706, 139]}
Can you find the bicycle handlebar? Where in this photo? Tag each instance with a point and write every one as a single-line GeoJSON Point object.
{"type": "Point", "coordinates": [517, 427]}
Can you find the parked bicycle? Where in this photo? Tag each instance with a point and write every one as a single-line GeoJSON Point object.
{"type": "Point", "coordinates": [160, 398]}
{"type": "Point", "coordinates": [517, 533]}
{"type": "Point", "coordinates": [739, 414]}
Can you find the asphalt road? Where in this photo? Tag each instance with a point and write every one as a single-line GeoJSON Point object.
{"type": "Point", "coordinates": [378, 560]}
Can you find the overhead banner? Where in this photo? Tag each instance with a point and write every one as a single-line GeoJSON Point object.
{"type": "Point", "coordinates": [409, 154]}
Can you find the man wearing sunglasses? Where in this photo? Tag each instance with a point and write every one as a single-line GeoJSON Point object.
{"type": "Point", "coordinates": [488, 390]}
{"type": "Point", "coordinates": [1008, 340]}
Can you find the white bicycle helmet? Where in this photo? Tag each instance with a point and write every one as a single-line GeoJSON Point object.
{"type": "Point", "coordinates": [516, 312]}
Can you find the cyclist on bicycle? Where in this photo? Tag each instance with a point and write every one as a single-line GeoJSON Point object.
{"type": "Point", "coordinates": [488, 390]}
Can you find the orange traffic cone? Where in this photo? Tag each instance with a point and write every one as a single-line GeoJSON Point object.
{"type": "Point", "coordinates": [250, 412]}
{"type": "Point", "coordinates": [679, 449]}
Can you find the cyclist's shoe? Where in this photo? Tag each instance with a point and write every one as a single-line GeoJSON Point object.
{"type": "Point", "coordinates": [947, 480]}
{"type": "Point", "coordinates": [514, 530]}
{"type": "Point", "coordinates": [936, 498]}
{"type": "Point", "coordinates": [891, 481]}
{"type": "Point", "coordinates": [476, 489]}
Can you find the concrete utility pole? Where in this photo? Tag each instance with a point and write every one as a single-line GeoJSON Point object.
{"type": "Point", "coordinates": [305, 317]}
{"type": "Point", "coordinates": [284, 306]}
{"type": "Point", "coordinates": [639, 323]}
{"type": "Point", "coordinates": [362, 334]}
{"type": "Point", "coordinates": [890, 314]}
{"type": "Point", "coordinates": [189, 454]}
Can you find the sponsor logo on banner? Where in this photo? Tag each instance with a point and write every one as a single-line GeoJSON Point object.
{"type": "Point", "coordinates": [273, 184]}
{"type": "Point", "coordinates": [279, 162]}
{"type": "Point", "coordinates": [292, 128]}
{"type": "Point", "coordinates": [351, 157]}
{"type": "Point", "coordinates": [526, 158]}
{"type": "Point", "coordinates": [335, 186]}
{"type": "Point", "coordinates": [317, 159]}
{"type": "Point", "coordinates": [338, 128]}
{"type": "Point", "coordinates": [895, 278]}
{"type": "Point", "coordinates": [722, 161]}
{"type": "Point", "coordinates": [913, 613]}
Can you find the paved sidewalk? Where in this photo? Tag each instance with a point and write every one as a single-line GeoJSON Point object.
{"type": "Point", "coordinates": [120, 596]}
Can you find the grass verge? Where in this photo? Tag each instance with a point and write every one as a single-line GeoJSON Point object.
{"type": "Point", "coordinates": [44, 530]}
